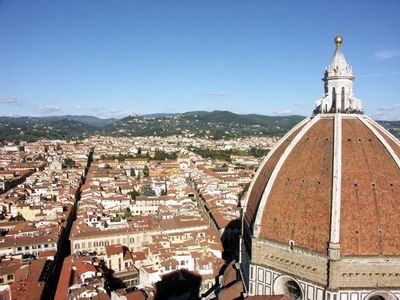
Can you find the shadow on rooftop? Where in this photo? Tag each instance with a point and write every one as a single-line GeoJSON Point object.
{"type": "Point", "coordinates": [230, 241]}
{"type": "Point", "coordinates": [180, 284]}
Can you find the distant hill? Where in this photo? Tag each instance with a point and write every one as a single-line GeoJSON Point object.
{"type": "Point", "coordinates": [31, 129]}
{"type": "Point", "coordinates": [88, 120]}
{"type": "Point", "coordinates": [392, 126]}
{"type": "Point", "coordinates": [214, 125]}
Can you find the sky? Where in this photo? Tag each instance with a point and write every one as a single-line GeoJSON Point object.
{"type": "Point", "coordinates": [119, 57]}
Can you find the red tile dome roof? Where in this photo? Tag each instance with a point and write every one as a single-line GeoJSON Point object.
{"type": "Point", "coordinates": [334, 178]}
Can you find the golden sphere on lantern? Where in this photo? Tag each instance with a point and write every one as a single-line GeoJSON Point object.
{"type": "Point", "coordinates": [338, 40]}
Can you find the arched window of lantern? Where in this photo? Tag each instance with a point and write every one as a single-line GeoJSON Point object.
{"type": "Point", "coordinates": [343, 99]}
{"type": "Point", "coordinates": [334, 105]}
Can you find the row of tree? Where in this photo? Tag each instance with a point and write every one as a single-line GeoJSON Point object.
{"type": "Point", "coordinates": [226, 154]}
{"type": "Point", "coordinates": [158, 155]}
{"type": "Point", "coordinates": [145, 190]}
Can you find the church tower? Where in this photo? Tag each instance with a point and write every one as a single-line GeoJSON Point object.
{"type": "Point", "coordinates": [338, 79]}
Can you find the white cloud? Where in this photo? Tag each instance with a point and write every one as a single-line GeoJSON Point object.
{"type": "Point", "coordinates": [222, 94]}
{"type": "Point", "coordinates": [384, 112]}
{"type": "Point", "coordinates": [103, 112]}
{"type": "Point", "coordinates": [286, 112]}
{"type": "Point", "coordinates": [380, 115]}
{"type": "Point", "coordinates": [33, 108]}
{"type": "Point", "coordinates": [389, 107]}
{"type": "Point", "coordinates": [169, 110]}
{"type": "Point", "coordinates": [11, 100]}
{"type": "Point", "coordinates": [302, 105]}
{"type": "Point", "coordinates": [48, 109]}
{"type": "Point", "coordinates": [387, 54]}
{"type": "Point", "coordinates": [379, 74]}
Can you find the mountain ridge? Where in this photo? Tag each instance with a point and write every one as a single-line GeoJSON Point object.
{"type": "Point", "coordinates": [217, 124]}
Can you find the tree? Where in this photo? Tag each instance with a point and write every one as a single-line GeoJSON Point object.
{"type": "Point", "coordinates": [127, 213]}
{"type": "Point", "coordinates": [133, 194]}
{"type": "Point", "coordinates": [147, 190]}
{"type": "Point", "coordinates": [69, 163]}
{"type": "Point", "coordinates": [258, 152]}
{"type": "Point", "coordinates": [146, 171]}
{"type": "Point", "coordinates": [162, 155]}
{"type": "Point", "coordinates": [213, 154]}
{"type": "Point", "coordinates": [107, 166]}
{"type": "Point", "coordinates": [163, 193]}
{"type": "Point", "coordinates": [132, 172]}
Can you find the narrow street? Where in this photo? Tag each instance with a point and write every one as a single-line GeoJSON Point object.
{"type": "Point", "coordinates": [63, 247]}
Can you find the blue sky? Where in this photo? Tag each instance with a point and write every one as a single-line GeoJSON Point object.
{"type": "Point", "coordinates": [117, 57]}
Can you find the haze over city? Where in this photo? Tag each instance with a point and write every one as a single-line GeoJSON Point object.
{"type": "Point", "coordinates": [115, 58]}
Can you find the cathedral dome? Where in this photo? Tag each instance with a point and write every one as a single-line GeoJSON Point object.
{"type": "Point", "coordinates": [334, 178]}
{"type": "Point", "coordinates": [321, 217]}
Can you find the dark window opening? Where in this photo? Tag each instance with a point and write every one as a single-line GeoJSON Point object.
{"type": "Point", "coordinates": [376, 297]}
{"type": "Point", "coordinates": [293, 290]}
{"type": "Point", "coordinates": [334, 99]}
{"type": "Point", "coordinates": [343, 100]}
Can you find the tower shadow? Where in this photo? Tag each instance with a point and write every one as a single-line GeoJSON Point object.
{"type": "Point", "coordinates": [180, 284]}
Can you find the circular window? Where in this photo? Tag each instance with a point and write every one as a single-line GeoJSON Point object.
{"type": "Point", "coordinates": [381, 295]}
{"type": "Point", "coordinates": [293, 290]}
{"type": "Point", "coordinates": [285, 285]}
{"type": "Point", "coordinates": [376, 297]}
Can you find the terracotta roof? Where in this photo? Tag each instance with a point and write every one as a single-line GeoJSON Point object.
{"type": "Point", "coordinates": [395, 146]}
{"type": "Point", "coordinates": [230, 274]}
{"type": "Point", "coordinates": [135, 295]}
{"type": "Point", "coordinates": [114, 249]}
{"type": "Point", "coordinates": [47, 253]}
{"type": "Point", "coordinates": [138, 256]}
{"type": "Point", "coordinates": [234, 291]}
{"type": "Point", "coordinates": [28, 281]}
{"type": "Point", "coordinates": [298, 206]}
{"type": "Point", "coordinates": [64, 279]}
{"type": "Point", "coordinates": [261, 180]}
{"type": "Point", "coordinates": [370, 194]}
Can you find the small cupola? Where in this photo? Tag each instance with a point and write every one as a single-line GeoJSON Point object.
{"type": "Point", "coordinates": [338, 79]}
